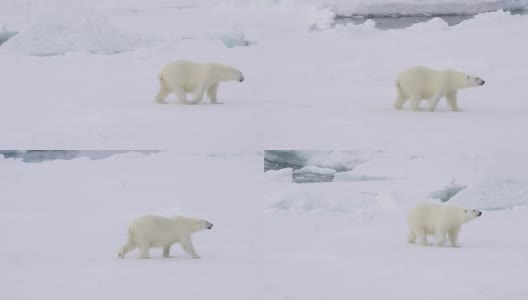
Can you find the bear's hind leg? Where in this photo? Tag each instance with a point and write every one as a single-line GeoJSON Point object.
{"type": "Point", "coordinates": [421, 237]}
{"type": "Point", "coordinates": [166, 251]}
{"type": "Point", "coordinates": [211, 93]}
{"type": "Point", "coordinates": [144, 251]}
{"type": "Point", "coordinates": [451, 98]}
{"type": "Point", "coordinates": [163, 92]}
{"type": "Point", "coordinates": [181, 95]}
{"type": "Point", "coordinates": [401, 100]}
{"type": "Point", "coordinates": [129, 246]}
{"type": "Point", "coordinates": [412, 237]}
{"type": "Point", "coordinates": [415, 104]}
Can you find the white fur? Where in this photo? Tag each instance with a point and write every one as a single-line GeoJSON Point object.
{"type": "Point", "coordinates": [156, 231]}
{"type": "Point", "coordinates": [421, 83]}
{"type": "Point", "coordinates": [438, 220]}
{"type": "Point", "coordinates": [182, 77]}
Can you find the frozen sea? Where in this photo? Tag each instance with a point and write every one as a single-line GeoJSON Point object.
{"type": "Point", "coordinates": [80, 76]}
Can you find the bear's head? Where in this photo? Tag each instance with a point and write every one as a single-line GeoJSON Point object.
{"type": "Point", "coordinates": [193, 224]}
{"type": "Point", "coordinates": [470, 214]}
{"type": "Point", "coordinates": [474, 80]}
{"type": "Point", "coordinates": [205, 224]}
{"type": "Point", "coordinates": [235, 74]}
{"type": "Point", "coordinates": [228, 73]}
{"type": "Point", "coordinates": [461, 80]}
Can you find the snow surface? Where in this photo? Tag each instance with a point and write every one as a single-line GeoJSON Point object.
{"type": "Point", "coordinates": [64, 220]}
{"type": "Point", "coordinates": [309, 85]}
{"type": "Point", "coordinates": [356, 231]}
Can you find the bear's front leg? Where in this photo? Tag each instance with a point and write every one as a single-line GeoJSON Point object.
{"type": "Point", "coordinates": [211, 93]}
{"type": "Point", "coordinates": [451, 98]}
{"type": "Point", "coordinates": [453, 236]}
{"type": "Point", "coordinates": [188, 247]}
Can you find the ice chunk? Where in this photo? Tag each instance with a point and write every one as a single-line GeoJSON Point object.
{"type": "Point", "coordinates": [95, 36]}
{"type": "Point", "coordinates": [447, 192]}
{"type": "Point", "coordinates": [6, 35]}
{"type": "Point", "coordinates": [233, 39]}
{"type": "Point", "coordinates": [316, 170]}
{"type": "Point", "coordinates": [35, 156]}
{"type": "Point", "coordinates": [280, 175]}
{"type": "Point", "coordinates": [317, 202]}
{"type": "Point", "coordinates": [494, 193]}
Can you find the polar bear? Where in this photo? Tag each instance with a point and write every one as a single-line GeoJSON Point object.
{"type": "Point", "coordinates": [156, 231]}
{"type": "Point", "coordinates": [182, 77]}
{"type": "Point", "coordinates": [420, 83]}
{"type": "Point", "coordinates": [439, 220]}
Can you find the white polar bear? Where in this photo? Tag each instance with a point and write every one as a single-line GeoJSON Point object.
{"type": "Point", "coordinates": [439, 220]}
{"type": "Point", "coordinates": [156, 231]}
{"type": "Point", "coordinates": [420, 83]}
{"type": "Point", "coordinates": [182, 77]}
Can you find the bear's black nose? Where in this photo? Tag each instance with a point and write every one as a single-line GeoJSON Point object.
{"type": "Point", "coordinates": [479, 213]}
{"type": "Point", "coordinates": [241, 79]}
{"type": "Point", "coordinates": [482, 83]}
{"type": "Point", "coordinates": [210, 226]}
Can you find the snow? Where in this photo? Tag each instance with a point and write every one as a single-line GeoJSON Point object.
{"type": "Point", "coordinates": [356, 231]}
{"type": "Point", "coordinates": [309, 85]}
{"type": "Point", "coordinates": [474, 181]}
{"type": "Point", "coordinates": [63, 233]}
{"type": "Point", "coordinates": [82, 75]}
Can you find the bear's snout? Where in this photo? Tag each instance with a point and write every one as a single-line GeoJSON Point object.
{"type": "Point", "coordinates": [482, 82]}
{"type": "Point", "coordinates": [209, 225]}
{"type": "Point", "coordinates": [479, 214]}
{"type": "Point", "coordinates": [241, 79]}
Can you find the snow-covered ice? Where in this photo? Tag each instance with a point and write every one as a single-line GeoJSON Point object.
{"type": "Point", "coordinates": [310, 85]}
{"type": "Point", "coordinates": [354, 233]}
{"type": "Point", "coordinates": [64, 220]}
{"type": "Point", "coordinates": [83, 75]}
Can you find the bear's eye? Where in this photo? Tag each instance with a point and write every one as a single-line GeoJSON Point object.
{"type": "Point", "coordinates": [465, 210]}
{"type": "Point", "coordinates": [468, 77]}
